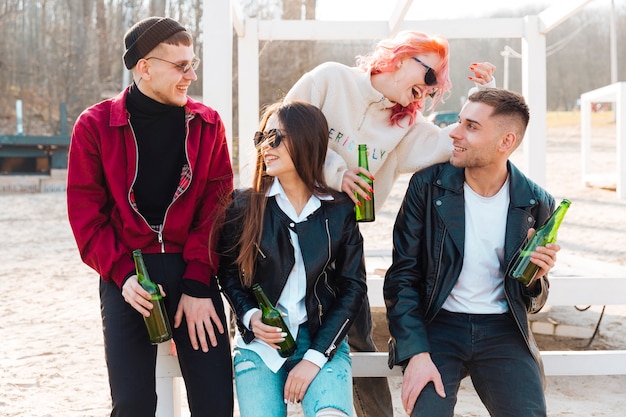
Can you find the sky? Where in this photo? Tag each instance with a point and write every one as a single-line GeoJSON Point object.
{"type": "Point", "coordinates": [420, 9]}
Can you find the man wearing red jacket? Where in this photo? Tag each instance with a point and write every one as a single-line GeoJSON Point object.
{"type": "Point", "coordinates": [150, 170]}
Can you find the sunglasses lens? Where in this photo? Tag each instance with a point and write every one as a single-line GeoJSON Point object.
{"type": "Point", "coordinates": [430, 78]}
{"type": "Point", "coordinates": [258, 138]}
{"type": "Point", "coordinates": [273, 138]}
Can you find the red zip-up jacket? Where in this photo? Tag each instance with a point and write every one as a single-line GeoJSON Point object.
{"type": "Point", "coordinates": [102, 169]}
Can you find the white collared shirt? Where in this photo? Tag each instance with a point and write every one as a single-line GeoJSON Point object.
{"type": "Point", "coordinates": [292, 297]}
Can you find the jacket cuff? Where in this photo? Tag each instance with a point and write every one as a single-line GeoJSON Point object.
{"type": "Point", "coordinates": [120, 272]}
{"type": "Point", "coordinates": [315, 357]}
{"type": "Point", "coordinates": [248, 316]}
{"type": "Point", "coordinates": [198, 271]}
{"type": "Point", "coordinates": [535, 290]}
{"type": "Point", "coordinates": [195, 288]}
{"type": "Point", "coordinates": [130, 274]}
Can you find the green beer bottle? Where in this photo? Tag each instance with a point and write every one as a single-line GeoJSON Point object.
{"type": "Point", "coordinates": [524, 270]}
{"type": "Point", "coordinates": [157, 323]}
{"type": "Point", "coordinates": [271, 316]}
{"type": "Point", "coordinates": [365, 208]}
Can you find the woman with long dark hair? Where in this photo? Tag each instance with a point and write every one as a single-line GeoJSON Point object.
{"type": "Point", "coordinates": [299, 240]}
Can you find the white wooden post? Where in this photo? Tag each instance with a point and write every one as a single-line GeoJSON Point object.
{"type": "Point", "coordinates": [585, 136]}
{"type": "Point", "coordinates": [248, 99]}
{"type": "Point", "coordinates": [168, 387]}
{"type": "Point", "coordinates": [534, 90]}
{"type": "Point", "coordinates": [620, 139]}
{"type": "Point", "coordinates": [217, 61]}
{"type": "Point", "coordinates": [616, 94]}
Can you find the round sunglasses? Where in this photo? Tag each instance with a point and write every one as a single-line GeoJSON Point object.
{"type": "Point", "coordinates": [430, 78]}
{"type": "Point", "coordinates": [273, 137]}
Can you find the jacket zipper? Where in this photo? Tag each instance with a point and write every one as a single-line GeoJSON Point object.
{"type": "Point", "coordinates": [258, 248]}
{"type": "Point", "coordinates": [367, 110]}
{"type": "Point", "coordinates": [159, 233]}
{"type": "Point", "coordinates": [134, 206]}
{"type": "Point", "coordinates": [333, 346]}
{"type": "Point", "coordinates": [437, 275]}
{"type": "Point", "coordinates": [320, 309]}
{"type": "Point", "coordinates": [188, 117]}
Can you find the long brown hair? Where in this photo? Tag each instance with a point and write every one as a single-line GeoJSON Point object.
{"type": "Point", "coordinates": [306, 140]}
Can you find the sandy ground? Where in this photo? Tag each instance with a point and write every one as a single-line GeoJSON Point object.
{"type": "Point", "coordinates": [51, 351]}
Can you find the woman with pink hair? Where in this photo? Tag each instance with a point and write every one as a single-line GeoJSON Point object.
{"type": "Point", "coordinates": [379, 103]}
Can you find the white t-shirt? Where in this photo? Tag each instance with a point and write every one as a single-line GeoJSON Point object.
{"type": "Point", "coordinates": [480, 287]}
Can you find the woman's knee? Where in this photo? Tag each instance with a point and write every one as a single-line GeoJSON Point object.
{"type": "Point", "coordinates": [330, 412]}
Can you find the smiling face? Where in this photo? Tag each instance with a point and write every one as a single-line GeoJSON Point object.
{"type": "Point", "coordinates": [409, 84]}
{"type": "Point", "coordinates": [478, 139]}
{"type": "Point", "coordinates": [278, 162]}
{"type": "Point", "coordinates": [163, 81]}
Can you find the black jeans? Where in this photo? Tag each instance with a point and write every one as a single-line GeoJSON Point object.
{"type": "Point", "coordinates": [492, 351]}
{"type": "Point", "coordinates": [131, 359]}
{"type": "Point", "coordinates": [372, 397]}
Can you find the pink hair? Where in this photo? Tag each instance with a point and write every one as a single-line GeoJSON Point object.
{"type": "Point", "coordinates": [389, 52]}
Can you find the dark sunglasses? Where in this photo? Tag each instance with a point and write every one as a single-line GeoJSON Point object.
{"type": "Point", "coordinates": [430, 78]}
{"type": "Point", "coordinates": [272, 136]}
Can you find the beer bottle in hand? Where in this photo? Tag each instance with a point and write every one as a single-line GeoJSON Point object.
{"type": "Point", "coordinates": [524, 270]}
{"type": "Point", "coordinates": [271, 316]}
{"type": "Point", "coordinates": [365, 208]}
{"type": "Point", "coordinates": [157, 323]}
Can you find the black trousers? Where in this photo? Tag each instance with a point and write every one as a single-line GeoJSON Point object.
{"type": "Point", "coordinates": [492, 351]}
{"type": "Point", "coordinates": [131, 359]}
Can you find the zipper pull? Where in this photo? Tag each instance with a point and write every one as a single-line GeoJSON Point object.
{"type": "Point", "coordinates": [330, 349]}
{"type": "Point", "coordinates": [160, 239]}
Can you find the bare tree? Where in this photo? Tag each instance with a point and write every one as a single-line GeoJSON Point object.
{"type": "Point", "coordinates": [157, 7]}
{"type": "Point", "coordinates": [70, 51]}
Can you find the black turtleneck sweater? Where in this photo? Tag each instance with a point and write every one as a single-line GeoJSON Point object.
{"type": "Point", "coordinates": [160, 133]}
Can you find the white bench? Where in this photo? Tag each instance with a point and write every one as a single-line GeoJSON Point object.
{"type": "Point", "coordinates": [564, 291]}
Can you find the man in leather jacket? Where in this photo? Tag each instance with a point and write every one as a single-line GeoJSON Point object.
{"type": "Point", "coordinates": [452, 308]}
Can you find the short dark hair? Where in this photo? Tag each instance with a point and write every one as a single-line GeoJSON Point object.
{"type": "Point", "coordinates": [505, 103]}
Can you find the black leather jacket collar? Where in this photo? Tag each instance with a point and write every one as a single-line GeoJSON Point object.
{"type": "Point", "coordinates": [428, 253]}
{"type": "Point", "coordinates": [332, 250]}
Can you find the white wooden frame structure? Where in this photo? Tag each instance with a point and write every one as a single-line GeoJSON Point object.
{"type": "Point", "coordinates": [222, 16]}
{"type": "Point", "coordinates": [616, 94]}
{"type": "Point", "coordinates": [564, 290]}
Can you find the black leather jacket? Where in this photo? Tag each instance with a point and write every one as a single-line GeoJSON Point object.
{"type": "Point", "coordinates": [332, 249]}
{"type": "Point", "coordinates": [428, 240]}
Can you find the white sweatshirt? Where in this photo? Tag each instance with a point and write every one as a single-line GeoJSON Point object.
{"type": "Point", "coordinates": [359, 114]}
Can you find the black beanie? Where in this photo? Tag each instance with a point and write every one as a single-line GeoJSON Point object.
{"type": "Point", "coordinates": [145, 35]}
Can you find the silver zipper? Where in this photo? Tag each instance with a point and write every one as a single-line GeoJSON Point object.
{"type": "Point", "coordinates": [159, 233]}
{"type": "Point", "coordinates": [332, 344]}
{"type": "Point", "coordinates": [188, 117]}
{"type": "Point", "coordinates": [259, 250]}
{"type": "Point", "coordinates": [134, 206]}
{"type": "Point", "coordinates": [437, 274]}
{"type": "Point", "coordinates": [320, 309]}
{"type": "Point", "coordinates": [160, 238]}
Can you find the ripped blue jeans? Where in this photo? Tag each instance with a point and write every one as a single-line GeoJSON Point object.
{"type": "Point", "coordinates": [260, 391]}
